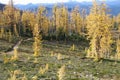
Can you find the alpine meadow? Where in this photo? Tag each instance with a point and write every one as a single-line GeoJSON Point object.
{"type": "Point", "coordinates": [60, 42]}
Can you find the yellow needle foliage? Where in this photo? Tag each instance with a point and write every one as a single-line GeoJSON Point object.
{"type": "Point", "coordinates": [76, 20]}
{"type": "Point", "coordinates": [118, 49]}
{"type": "Point", "coordinates": [15, 55]}
{"type": "Point", "coordinates": [61, 73]}
{"type": "Point", "coordinates": [98, 27]}
{"type": "Point", "coordinates": [37, 41]}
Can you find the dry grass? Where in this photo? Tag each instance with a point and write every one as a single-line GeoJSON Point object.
{"type": "Point", "coordinates": [47, 66]}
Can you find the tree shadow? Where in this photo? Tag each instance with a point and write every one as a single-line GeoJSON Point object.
{"type": "Point", "coordinates": [110, 60]}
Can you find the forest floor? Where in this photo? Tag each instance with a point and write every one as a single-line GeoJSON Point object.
{"type": "Point", "coordinates": [55, 54]}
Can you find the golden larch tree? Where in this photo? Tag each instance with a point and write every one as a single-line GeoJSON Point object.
{"type": "Point", "coordinates": [118, 49]}
{"type": "Point", "coordinates": [37, 40]}
{"type": "Point", "coordinates": [76, 20]}
{"type": "Point", "coordinates": [28, 21]}
{"type": "Point", "coordinates": [99, 33]}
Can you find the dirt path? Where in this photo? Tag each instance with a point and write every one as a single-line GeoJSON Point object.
{"type": "Point", "coordinates": [15, 46]}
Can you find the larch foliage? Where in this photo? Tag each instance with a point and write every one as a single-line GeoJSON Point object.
{"type": "Point", "coordinates": [45, 27]}
{"type": "Point", "coordinates": [37, 41]}
{"type": "Point", "coordinates": [15, 55]}
{"type": "Point", "coordinates": [83, 22]}
{"type": "Point", "coordinates": [12, 18]}
{"type": "Point", "coordinates": [40, 17]}
{"type": "Point", "coordinates": [61, 19]}
{"type": "Point", "coordinates": [118, 49]}
{"type": "Point", "coordinates": [10, 36]}
{"type": "Point", "coordinates": [17, 20]}
{"type": "Point", "coordinates": [76, 20]}
{"type": "Point", "coordinates": [2, 19]}
{"type": "Point", "coordinates": [2, 32]}
{"type": "Point", "coordinates": [57, 18]}
{"type": "Point", "coordinates": [28, 20]}
{"type": "Point", "coordinates": [118, 21]}
{"type": "Point", "coordinates": [43, 20]}
{"type": "Point", "coordinates": [54, 17]}
{"type": "Point", "coordinates": [9, 14]}
{"type": "Point", "coordinates": [98, 27]}
{"type": "Point", "coordinates": [64, 20]}
{"type": "Point", "coordinates": [61, 73]}
{"type": "Point", "coordinates": [2, 23]}
{"type": "Point", "coordinates": [25, 20]}
{"type": "Point", "coordinates": [32, 20]}
{"type": "Point", "coordinates": [17, 16]}
{"type": "Point", "coordinates": [15, 30]}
